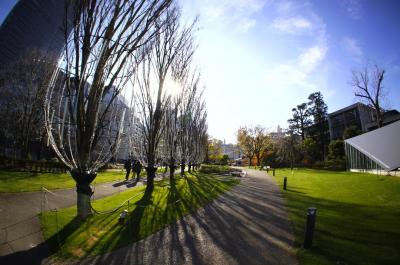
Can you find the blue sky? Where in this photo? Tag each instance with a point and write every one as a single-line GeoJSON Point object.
{"type": "Point", "coordinates": [260, 58]}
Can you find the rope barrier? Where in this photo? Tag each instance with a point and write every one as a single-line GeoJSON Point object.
{"type": "Point", "coordinates": [117, 208]}
{"type": "Point", "coordinates": [220, 178]}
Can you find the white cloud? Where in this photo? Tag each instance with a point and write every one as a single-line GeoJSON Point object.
{"type": "Point", "coordinates": [299, 72]}
{"type": "Point", "coordinates": [353, 8]}
{"type": "Point", "coordinates": [284, 6]}
{"type": "Point", "coordinates": [312, 57]}
{"type": "Point", "coordinates": [247, 24]}
{"type": "Point", "coordinates": [299, 19]}
{"type": "Point", "coordinates": [236, 14]}
{"type": "Point", "coordinates": [292, 25]}
{"type": "Point", "coordinates": [351, 46]}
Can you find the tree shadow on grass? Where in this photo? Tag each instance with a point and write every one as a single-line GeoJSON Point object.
{"type": "Point", "coordinates": [152, 213]}
{"type": "Point", "coordinates": [42, 251]}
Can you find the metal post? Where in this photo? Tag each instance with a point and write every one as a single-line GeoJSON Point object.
{"type": "Point", "coordinates": [58, 233]}
{"type": "Point", "coordinates": [284, 182]}
{"type": "Point", "coordinates": [129, 221]}
{"type": "Point", "coordinates": [41, 200]}
{"type": "Point", "coordinates": [310, 226]}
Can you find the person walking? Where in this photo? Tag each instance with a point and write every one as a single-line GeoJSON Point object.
{"type": "Point", "coordinates": [127, 167]}
{"type": "Point", "coordinates": [137, 168]}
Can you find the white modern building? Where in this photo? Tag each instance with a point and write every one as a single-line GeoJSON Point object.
{"type": "Point", "coordinates": [377, 151]}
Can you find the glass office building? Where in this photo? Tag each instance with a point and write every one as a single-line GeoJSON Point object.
{"type": "Point", "coordinates": [32, 24]}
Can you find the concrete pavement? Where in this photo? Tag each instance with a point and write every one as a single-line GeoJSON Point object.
{"type": "Point", "coordinates": [247, 225]}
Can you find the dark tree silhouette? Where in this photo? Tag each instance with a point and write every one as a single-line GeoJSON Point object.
{"type": "Point", "coordinates": [301, 120]}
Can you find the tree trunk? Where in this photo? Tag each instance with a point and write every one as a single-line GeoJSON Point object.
{"type": "Point", "coordinates": [84, 191]}
{"type": "Point", "coordinates": [151, 174]}
{"type": "Point", "coordinates": [183, 169]}
{"type": "Point", "coordinates": [190, 168]}
{"type": "Point", "coordinates": [137, 175]}
{"type": "Point", "coordinates": [171, 173]}
{"type": "Point", "coordinates": [379, 120]}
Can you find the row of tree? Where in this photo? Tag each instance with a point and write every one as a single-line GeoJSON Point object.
{"type": "Point", "coordinates": [112, 86]}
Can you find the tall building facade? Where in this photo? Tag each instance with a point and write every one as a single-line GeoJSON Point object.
{"type": "Point", "coordinates": [32, 24]}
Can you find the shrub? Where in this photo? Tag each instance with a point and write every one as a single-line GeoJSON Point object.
{"type": "Point", "coordinates": [336, 149]}
{"type": "Point", "coordinates": [331, 164]}
{"type": "Point", "coordinates": [217, 169]}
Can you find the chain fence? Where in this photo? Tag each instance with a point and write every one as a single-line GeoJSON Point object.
{"type": "Point", "coordinates": [48, 209]}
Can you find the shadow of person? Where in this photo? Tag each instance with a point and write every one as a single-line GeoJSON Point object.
{"type": "Point", "coordinates": [132, 184]}
{"type": "Point", "coordinates": [117, 184]}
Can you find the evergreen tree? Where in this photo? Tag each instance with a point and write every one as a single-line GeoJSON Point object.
{"type": "Point", "coordinates": [319, 131]}
{"type": "Point", "coordinates": [300, 121]}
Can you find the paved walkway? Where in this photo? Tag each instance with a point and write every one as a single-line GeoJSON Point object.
{"type": "Point", "coordinates": [20, 229]}
{"type": "Point", "coordinates": [247, 225]}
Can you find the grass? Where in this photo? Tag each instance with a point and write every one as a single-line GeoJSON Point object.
{"type": "Point", "coordinates": [72, 238]}
{"type": "Point", "coordinates": [358, 216]}
{"type": "Point", "coordinates": [11, 181]}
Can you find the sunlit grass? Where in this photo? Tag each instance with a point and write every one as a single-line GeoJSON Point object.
{"type": "Point", "coordinates": [358, 218]}
{"type": "Point", "coordinates": [69, 237]}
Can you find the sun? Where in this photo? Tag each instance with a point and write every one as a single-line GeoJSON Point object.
{"type": "Point", "coordinates": [172, 87]}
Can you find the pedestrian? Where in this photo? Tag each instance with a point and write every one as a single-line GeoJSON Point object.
{"type": "Point", "coordinates": [127, 167]}
{"type": "Point", "coordinates": [138, 169]}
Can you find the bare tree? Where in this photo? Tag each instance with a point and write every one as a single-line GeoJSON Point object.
{"type": "Point", "coordinates": [197, 132]}
{"type": "Point", "coordinates": [22, 94]}
{"type": "Point", "coordinates": [186, 115]}
{"type": "Point", "coordinates": [160, 65]}
{"type": "Point", "coordinates": [368, 85]}
{"type": "Point", "coordinates": [170, 137]}
{"type": "Point", "coordinates": [185, 129]}
{"type": "Point", "coordinates": [83, 115]}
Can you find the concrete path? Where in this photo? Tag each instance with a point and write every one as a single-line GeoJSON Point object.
{"type": "Point", "coordinates": [20, 229]}
{"type": "Point", "coordinates": [247, 225]}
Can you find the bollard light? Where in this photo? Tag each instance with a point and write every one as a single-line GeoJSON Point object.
{"type": "Point", "coordinates": [284, 182]}
{"type": "Point", "coordinates": [122, 217]}
{"type": "Point", "coordinates": [310, 227]}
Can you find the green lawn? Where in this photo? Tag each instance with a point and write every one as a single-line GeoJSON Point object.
{"type": "Point", "coordinates": [26, 181]}
{"type": "Point", "coordinates": [147, 214]}
{"type": "Point", "coordinates": [358, 216]}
